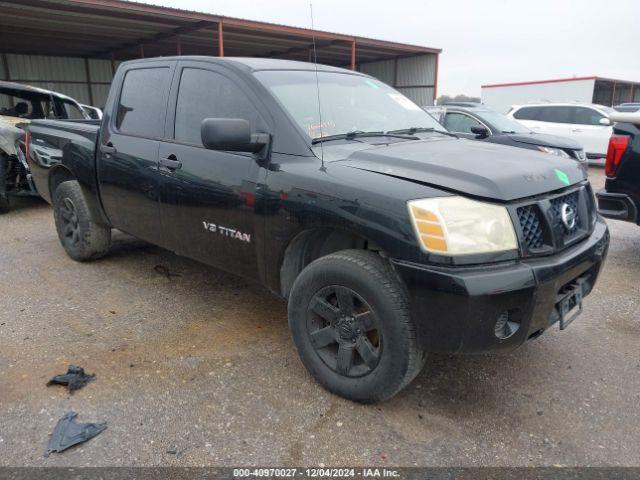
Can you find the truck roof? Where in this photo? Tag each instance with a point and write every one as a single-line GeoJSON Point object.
{"type": "Point", "coordinates": [253, 63]}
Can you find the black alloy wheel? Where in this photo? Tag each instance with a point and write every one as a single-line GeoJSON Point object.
{"type": "Point", "coordinates": [71, 234]}
{"type": "Point", "coordinates": [344, 331]}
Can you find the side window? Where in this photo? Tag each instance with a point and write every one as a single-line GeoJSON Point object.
{"type": "Point", "coordinates": [141, 108]}
{"type": "Point", "coordinates": [587, 116]}
{"type": "Point", "coordinates": [460, 123]}
{"type": "Point", "coordinates": [527, 113]}
{"type": "Point", "coordinates": [556, 114]}
{"type": "Point", "coordinates": [206, 94]}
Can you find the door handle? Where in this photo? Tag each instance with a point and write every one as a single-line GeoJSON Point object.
{"type": "Point", "coordinates": [108, 149]}
{"type": "Point", "coordinates": [576, 130]}
{"type": "Point", "coordinates": [171, 162]}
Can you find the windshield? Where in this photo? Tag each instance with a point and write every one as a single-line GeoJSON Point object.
{"type": "Point", "coordinates": [350, 103]}
{"type": "Point", "coordinates": [501, 123]}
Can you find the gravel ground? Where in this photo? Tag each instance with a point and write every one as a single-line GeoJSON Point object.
{"type": "Point", "coordinates": [199, 369]}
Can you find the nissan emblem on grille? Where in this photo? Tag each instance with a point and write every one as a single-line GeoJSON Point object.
{"type": "Point", "coordinates": [568, 216]}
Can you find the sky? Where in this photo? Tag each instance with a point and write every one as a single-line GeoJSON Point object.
{"type": "Point", "coordinates": [488, 41]}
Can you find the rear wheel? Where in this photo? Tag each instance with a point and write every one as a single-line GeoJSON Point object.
{"type": "Point", "coordinates": [350, 321]}
{"type": "Point", "coordinates": [81, 237]}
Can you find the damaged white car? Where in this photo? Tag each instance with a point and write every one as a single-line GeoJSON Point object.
{"type": "Point", "coordinates": [19, 104]}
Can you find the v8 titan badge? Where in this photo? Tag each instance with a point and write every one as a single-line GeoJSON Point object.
{"type": "Point", "coordinates": [227, 232]}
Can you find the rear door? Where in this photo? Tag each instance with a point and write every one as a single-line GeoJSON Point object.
{"type": "Point", "coordinates": [209, 197]}
{"type": "Point", "coordinates": [128, 172]}
{"type": "Point", "coordinates": [555, 120]}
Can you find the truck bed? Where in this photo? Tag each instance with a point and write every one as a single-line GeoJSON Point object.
{"type": "Point", "coordinates": [49, 139]}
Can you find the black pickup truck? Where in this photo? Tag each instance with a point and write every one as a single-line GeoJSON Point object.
{"type": "Point", "coordinates": [388, 237]}
{"type": "Point", "coordinates": [620, 198]}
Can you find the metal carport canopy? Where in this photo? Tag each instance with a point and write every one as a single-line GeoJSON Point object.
{"type": "Point", "coordinates": [121, 30]}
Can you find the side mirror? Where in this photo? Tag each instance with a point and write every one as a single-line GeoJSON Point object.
{"type": "Point", "coordinates": [481, 132]}
{"type": "Point", "coordinates": [231, 134]}
{"type": "Point", "coordinates": [604, 121]}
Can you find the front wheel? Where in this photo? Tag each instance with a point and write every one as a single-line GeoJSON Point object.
{"type": "Point", "coordinates": [81, 237]}
{"type": "Point", "coordinates": [349, 316]}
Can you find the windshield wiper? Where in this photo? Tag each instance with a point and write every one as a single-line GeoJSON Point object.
{"type": "Point", "coordinates": [413, 130]}
{"type": "Point", "coordinates": [359, 134]}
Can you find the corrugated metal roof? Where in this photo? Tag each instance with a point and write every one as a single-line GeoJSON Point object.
{"type": "Point", "coordinates": [105, 28]}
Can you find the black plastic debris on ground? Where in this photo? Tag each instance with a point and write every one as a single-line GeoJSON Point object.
{"type": "Point", "coordinates": [74, 379]}
{"type": "Point", "coordinates": [164, 271]}
{"type": "Point", "coordinates": [68, 433]}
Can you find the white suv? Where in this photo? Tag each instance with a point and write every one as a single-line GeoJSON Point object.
{"type": "Point", "coordinates": [585, 123]}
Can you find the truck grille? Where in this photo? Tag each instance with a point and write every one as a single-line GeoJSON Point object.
{"type": "Point", "coordinates": [542, 229]}
{"type": "Point", "coordinates": [531, 228]}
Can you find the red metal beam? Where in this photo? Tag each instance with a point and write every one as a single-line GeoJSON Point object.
{"type": "Point", "coordinates": [353, 54]}
{"type": "Point", "coordinates": [536, 82]}
{"type": "Point", "coordinates": [220, 39]}
{"type": "Point", "coordinates": [435, 80]}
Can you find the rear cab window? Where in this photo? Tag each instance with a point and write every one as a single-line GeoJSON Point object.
{"type": "Point", "coordinates": [142, 105]}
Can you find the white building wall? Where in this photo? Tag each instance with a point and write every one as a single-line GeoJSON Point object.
{"type": "Point", "coordinates": [502, 98]}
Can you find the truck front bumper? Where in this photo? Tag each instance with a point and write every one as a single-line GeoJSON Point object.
{"type": "Point", "coordinates": [462, 309]}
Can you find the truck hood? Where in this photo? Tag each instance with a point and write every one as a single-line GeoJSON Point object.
{"type": "Point", "coordinates": [469, 167]}
{"type": "Point", "coordinates": [545, 140]}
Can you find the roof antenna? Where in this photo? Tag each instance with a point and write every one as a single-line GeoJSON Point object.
{"type": "Point", "coordinates": [315, 62]}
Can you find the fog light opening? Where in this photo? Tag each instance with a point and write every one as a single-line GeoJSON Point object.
{"type": "Point", "coordinates": [506, 326]}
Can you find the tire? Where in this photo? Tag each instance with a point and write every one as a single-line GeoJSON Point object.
{"type": "Point", "coordinates": [365, 357]}
{"type": "Point", "coordinates": [81, 237]}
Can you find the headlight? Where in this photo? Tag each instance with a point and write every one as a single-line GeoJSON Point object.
{"type": "Point", "coordinates": [459, 226]}
{"type": "Point", "coordinates": [554, 151]}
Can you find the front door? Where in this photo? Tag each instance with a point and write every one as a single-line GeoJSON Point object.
{"type": "Point", "coordinates": [128, 152]}
{"type": "Point", "coordinates": [209, 197]}
{"type": "Point", "coordinates": [461, 124]}
{"type": "Point", "coordinates": [588, 130]}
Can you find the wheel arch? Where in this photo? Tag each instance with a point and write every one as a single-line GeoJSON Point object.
{"type": "Point", "coordinates": [60, 173]}
{"type": "Point", "coordinates": [313, 243]}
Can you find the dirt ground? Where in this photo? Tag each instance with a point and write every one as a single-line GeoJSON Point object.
{"type": "Point", "coordinates": [199, 369]}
